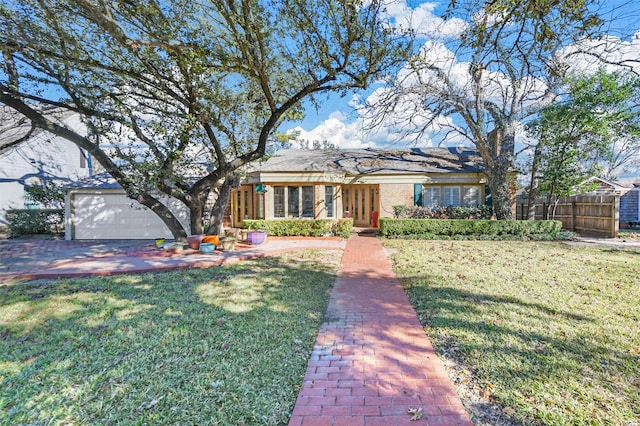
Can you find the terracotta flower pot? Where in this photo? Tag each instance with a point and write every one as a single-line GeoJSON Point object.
{"type": "Point", "coordinates": [195, 240]}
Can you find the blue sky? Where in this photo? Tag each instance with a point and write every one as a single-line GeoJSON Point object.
{"type": "Point", "coordinates": [337, 122]}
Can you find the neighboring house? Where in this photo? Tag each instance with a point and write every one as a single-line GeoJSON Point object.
{"type": "Point", "coordinates": [98, 208]}
{"type": "Point", "coordinates": [32, 157]}
{"type": "Point", "coordinates": [629, 193]}
{"type": "Point", "coordinates": [363, 184]}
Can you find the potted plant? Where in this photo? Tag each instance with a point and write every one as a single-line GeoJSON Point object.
{"type": "Point", "coordinates": [207, 248]}
{"type": "Point", "coordinates": [256, 237]}
{"type": "Point", "coordinates": [228, 243]}
{"type": "Point", "coordinates": [195, 240]}
{"type": "Point", "coordinates": [213, 239]}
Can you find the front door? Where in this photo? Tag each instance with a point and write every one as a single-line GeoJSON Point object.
{"type": "Point", "coordinates": [360, 202]}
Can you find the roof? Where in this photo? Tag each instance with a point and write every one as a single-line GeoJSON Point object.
{"type": "Point", "coordinates": [99, 181]}
{"type": "Point", "coordinates": [102, 181]}
{"type": "Point", "coordinates": [350, 162]}
{"type": "Point", "coordinates": [372, 161]}
{"type": "Point", "coordinates": [612, 186]}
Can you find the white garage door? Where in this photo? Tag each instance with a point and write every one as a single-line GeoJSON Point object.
{"type": "Point", "coordinates": [114, 216]}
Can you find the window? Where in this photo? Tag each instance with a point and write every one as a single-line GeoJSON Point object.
{"type": "Point", "coordinates": [328, 200]}
{"type": "Point", "coordinates": [278, 201]}
{"type": "Point", "coordinates": [307, 201]}
{"type": "Point", "coordinates": [451, 196]}
{"type": "Point", "coordinates": [298, 201]}
{"type": "Point", "coordinates": [471, 196]}
{"type": "Point", "coordinates": [435, 196]}
{"type": "Point", "coordinates": [431, 196]}
{"type": "Point", "coordinates": [293, 204]}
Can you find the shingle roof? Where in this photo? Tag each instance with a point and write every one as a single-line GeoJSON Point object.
{"type": "Point", "coordinates": [372, 161]}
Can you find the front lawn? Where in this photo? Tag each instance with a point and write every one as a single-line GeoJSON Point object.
{"type": "Point", "coordinates": [548, 331]}
{"type": "Point", "coordinates": [219, 346]}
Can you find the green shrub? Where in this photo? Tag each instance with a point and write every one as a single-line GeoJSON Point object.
{"type": "Point", "coordinates": [303, 227]}
{"type": "Point", "coordinates": [446, 212]}
{"type": "Point", "coordinates": [343, 227]}
{"type": "Point", "coordinates": [35, 221]}
{"type": "Point", "coordinates": [469, 228]}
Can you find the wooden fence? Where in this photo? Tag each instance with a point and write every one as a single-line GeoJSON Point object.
{"type": "Point", "coordinates": [583, 214]}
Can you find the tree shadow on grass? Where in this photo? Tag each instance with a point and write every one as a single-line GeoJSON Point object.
{"type": "Point", "coordinates": [207, 346]}
{"type": "Point", "coordinates": [549, 364]}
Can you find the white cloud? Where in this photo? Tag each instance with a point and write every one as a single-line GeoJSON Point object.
{"type": "Point", "coordinates": [588, 55]}
{"type": "Point", "coordinates": [411, 123]}
{"type": "Point", "coordinates": [423, 21]}
{"type": "Point", "coordinates": [337, 131]}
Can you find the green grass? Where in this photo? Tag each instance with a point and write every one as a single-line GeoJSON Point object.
{"type": "Point", "coordinates": [551, 331]}
{"type": "Point", "coordinates": [225, 346]}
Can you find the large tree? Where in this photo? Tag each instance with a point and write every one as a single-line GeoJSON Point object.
{"type": "Point", "coordinates": [178, 96]}
{"type": "Point", "coordinates": [479, 86]}
{"type": "Point", "coordinates": [593, 130]}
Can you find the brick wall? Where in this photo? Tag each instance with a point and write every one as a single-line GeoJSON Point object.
{"type": "Point", "coordinates": [394, 194]}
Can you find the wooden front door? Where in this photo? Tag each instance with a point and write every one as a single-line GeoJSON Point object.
{"type": "Point", "coordinates": [360, 202]}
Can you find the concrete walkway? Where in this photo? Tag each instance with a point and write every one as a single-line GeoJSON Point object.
{"type": "Point", "coordinates": [372, 363]}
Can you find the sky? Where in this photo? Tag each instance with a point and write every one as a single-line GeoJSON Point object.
{"type": "Point", "coordinates": [338, 121]}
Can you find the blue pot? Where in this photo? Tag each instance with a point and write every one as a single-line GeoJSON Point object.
{"type": "Point", "coordinates": [207, 248]}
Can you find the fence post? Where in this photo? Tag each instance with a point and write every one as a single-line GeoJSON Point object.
{"type": "Point", "coordinates": [615, 216]}
{"type": "Point", "coordinates": [574, 210]}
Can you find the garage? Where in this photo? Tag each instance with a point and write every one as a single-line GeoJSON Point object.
{"type": "Point", "coordinates": [98, 208]}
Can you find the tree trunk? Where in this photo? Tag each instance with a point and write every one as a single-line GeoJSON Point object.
{"type": "Point", "coordinates": [195, 211]}
{"type": "Point", "coordinates": [533, 186]}
{"type": "Point", "coordinates": [500, 193]}
{"type": "Point", "coordinates": [163, 212]}
{"type": "Point", "coordinates": [500, 143]}
{"type": "Point", "coordinates": [220, 205]}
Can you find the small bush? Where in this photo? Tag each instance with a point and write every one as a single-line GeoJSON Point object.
{"type": "Point", "coordinates": [32, 221]}
{"type": "Point", "coordinates": [470, 229]}
{"type": "Point", "coordinates": [303, 227]}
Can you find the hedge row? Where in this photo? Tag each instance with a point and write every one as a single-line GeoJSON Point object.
{"type": "Point", "coordinates": [445, 212]}
{"type": "Point", "coordinates": [303, 227]}
{"type": "Point", "coordinates": [461, 228]}
{"type": "Point", "coordinates": [35, 221]}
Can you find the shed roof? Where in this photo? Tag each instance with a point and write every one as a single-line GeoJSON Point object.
{"type": "Point", "coordinates": [373, 161]}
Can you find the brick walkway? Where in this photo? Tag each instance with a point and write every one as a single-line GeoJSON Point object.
{"type": "Point", "coordinates": [372, 362]}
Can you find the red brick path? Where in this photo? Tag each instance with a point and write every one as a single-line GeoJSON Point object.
{"type": "Point", "coordinates": [372, 361]}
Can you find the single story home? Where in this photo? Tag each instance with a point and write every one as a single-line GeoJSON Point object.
{"type": "Point", "coordinates": [363, 184]}
{"type": "Point", "coordinates": [98, 208]}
